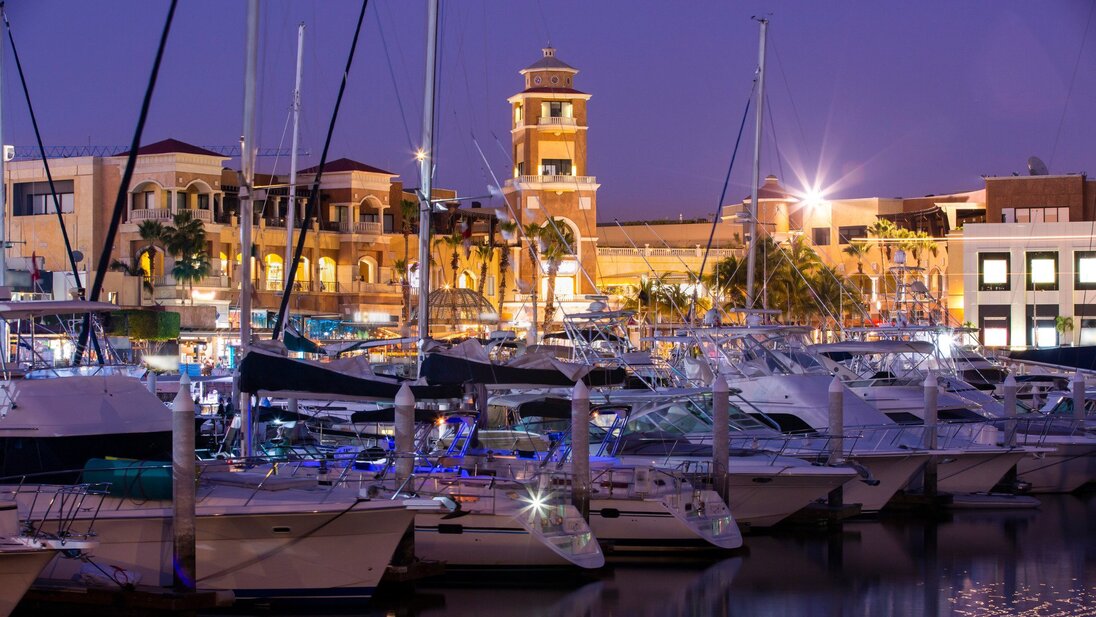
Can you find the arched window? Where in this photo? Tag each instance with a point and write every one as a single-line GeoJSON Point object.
{"type": "Point", "coordinates": [466, 280]}
{"type": "Point", "coordinates": [304, 271]}
{"type": "Point", "coordinates": [275, 271]}
{"type": "Point", "coordinates": [224, 263]}
{"type": "Point", "coordinates": [151, 262]}
{"type": "Point", "coordinates": [367, 269]}
{"type": "Point", "coordinates": [327, 273]}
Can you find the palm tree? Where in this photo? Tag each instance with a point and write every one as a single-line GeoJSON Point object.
{"type": "Point", "coordinates": [186, 241]}
{"type": "Point", "coordinates": [484, 252]}
{"type": "Point", "coordinates": [883, 230]}
{"type": "Point", "coordinates": [857, 250]}
{"type": "Point", "coordinates": [557, 242]}
{"type": "Point", "coordinates": [133, 270]}
{"type": "Point", "coordinates": [728, 280]}
{"type": "Point", "coordinates": [790, 279]}
{"type": "Point", "coordinates": [644, 297]}
{"type": "Point", "coordinates": [152, 232]}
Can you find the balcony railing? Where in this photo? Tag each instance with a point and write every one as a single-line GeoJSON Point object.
{"type": "Point", "coordinates": [150, 214]}
{"type": "Point", "coordinates": [166, 215]}
{"type": "Point", "coordinates": [216, 279]}
{"type": "Point", "coordinates": [362, 227]}
{"type": "Point", "coordinates": [613, 251]}
{"type": "Point", "coordinates": [548, 121]}
{"type": "Point", "coordinates": [567, 180]}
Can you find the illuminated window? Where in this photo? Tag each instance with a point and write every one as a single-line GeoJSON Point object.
{"type": "Point", "coordinates": [1041, 328]}
{"type": "Point", "coordinates": [275, 271]}
{"type": "Point", "coordinates": [555, 167]}
{"type": "Point", "coordinates": [327, 274]}
{"type": "Point", "coordinates": [993, 271]}
{"type": "Point", "coordinates": [1084, 269]}
{"type": "Point", "coordinates": [517, 114]}
{"type": "Point", "coordinates": [996, 336]}
{"type": "Point", "coordinates": [466, 280]}
{"type": "Point", "coordinates": [1088, 332]}
{"type": "Point", "coordinates": [1042, 271]}
{"type": "Point", "coordinates": [1008, 215]}
{"type": "Point", "coordinates": [994, 325]}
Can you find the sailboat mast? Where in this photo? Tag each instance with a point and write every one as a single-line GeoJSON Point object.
{"type": "Point", "coordinates": [426, 164]}
{"type": "Point", "coordinates": [3, 203]}
{"type": "Point", "coordinates": [247, 162]}
{"type": "Point", "coordinates": [291, 208]}
{"type": "Point", "coordinates": [751, 223]}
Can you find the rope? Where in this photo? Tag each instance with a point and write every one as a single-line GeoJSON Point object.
{"type": "Point", "coordinates": [310, 211]}
{"type": "Point", "coordinates": [123, 188]}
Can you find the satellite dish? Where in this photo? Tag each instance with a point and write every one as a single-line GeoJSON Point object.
{"type": "Point", "coordinates": [77, 256]}
{"type": "Point", "coordinates": [1037, 167]}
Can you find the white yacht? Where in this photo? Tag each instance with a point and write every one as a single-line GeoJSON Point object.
{"type": "Point", "coordinates": [260, 537]}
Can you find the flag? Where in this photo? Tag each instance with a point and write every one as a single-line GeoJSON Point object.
{"type": "Point", "coordinates": [35, 275]}
{"type": "Point", "coordinates": [466, 237]}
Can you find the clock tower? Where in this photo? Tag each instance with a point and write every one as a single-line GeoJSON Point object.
{"type": "Point", "coordinates": [550, 179]}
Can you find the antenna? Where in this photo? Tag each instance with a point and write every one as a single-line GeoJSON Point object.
{"type": "Point", "coordinates": [1037, 167]}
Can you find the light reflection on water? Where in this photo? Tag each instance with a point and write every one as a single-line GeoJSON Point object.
{"type": "Point", "coordinates": [1036, 562]}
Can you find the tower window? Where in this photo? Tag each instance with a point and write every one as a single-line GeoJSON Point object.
{"type": "Point", "coordinates": [555, 167]}
{"type": "Point", "coordinates": [557, 109]}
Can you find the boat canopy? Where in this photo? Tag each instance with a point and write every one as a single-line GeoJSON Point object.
{"type": "Point", "coordinates": [864, 348]}
{"type": "Point", "coordinates": [268, 375]}
{"type": "Point", "coordinates": [39, 308]}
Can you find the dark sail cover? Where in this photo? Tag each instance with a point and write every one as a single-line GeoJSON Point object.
{"type": "Point", "coordinates": [1073, 357]}
{"type": "Point", "coordinates": [260, 372]}
{"type": "Point", "coordinates": [442, 369]}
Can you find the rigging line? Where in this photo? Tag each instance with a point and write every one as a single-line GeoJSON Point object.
{"type": "Point", "coordinates": [535, 257]}
{"type": "Point", "coordinates": [643, 255]}
{"type": "Point", "coordinates": [787, 88]}
{"type": "Point", "coordinates": [723, 193]}
{"type": "Point", "coordinates": [310, 209]}
{"type": "Point", "coordinates": [776, 143]}
{"type": "Point", "coordinates": [688, 270]}
{"type": "Point", "coordinates": [395, 84]}
{"type": "Point", "coordinates": [550, 218]}
{"type": "Point", "coordinates": [1072, 81]}
{"type": "Point", "coordinates": [439, 102]}
{"type": "Point", "coordinates": [49, 177]}
{"type": "Point", "coordinates": [42, 151]}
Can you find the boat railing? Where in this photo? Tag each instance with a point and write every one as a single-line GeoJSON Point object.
{"type": "Point", "coordinates": [61, 515]}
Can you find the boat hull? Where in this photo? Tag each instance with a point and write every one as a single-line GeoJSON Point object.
{"type": "Point", "coordinates": [330, 553]}
{"type": "Point", "coordinates": [1070, 466]}
{"type": "Point", "coordinates": [19, 567]}
{"type": "Point", "coordinates": [893, 471]}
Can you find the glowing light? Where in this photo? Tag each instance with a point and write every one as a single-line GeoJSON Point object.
{"type": "Point", "coordinates": [537, 503]}
{"type": "Point", "coordinates": [420, 155]}
{"type": "Point", "coordinates": [203, 296]}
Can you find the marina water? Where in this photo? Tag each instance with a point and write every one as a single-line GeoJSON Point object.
{"type": "Point", "coordinates": [963, 563]}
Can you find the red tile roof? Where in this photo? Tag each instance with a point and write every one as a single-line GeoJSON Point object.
{"type": "Point", "coordinates": [345, 164]}
{"type": "Point", "coordinates": [173, 146]}
{"type": "Point", "coordinates": [554, 90]}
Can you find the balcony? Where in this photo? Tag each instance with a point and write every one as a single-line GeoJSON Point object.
{"type": "Point", "coordinates": [612, 251]}
{"type": "Point", "coordinates": [371, 228]}
{"type": "Point", "coordinates": [554, 183]}
{"type": "Point", "coordinates": [150, 214]}
{"type": "Point", "coordinates": [165, 215]}
{"type": "Point", "coordinates": [557, 125]}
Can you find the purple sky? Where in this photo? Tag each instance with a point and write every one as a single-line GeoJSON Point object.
{"type": "Point", "coordinates": [866, 98]}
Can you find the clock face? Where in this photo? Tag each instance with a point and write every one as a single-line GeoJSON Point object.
{"type": "Point", "coordinates": [536, 80]}
{"type": "Point", "coordinates": [555, 80]}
